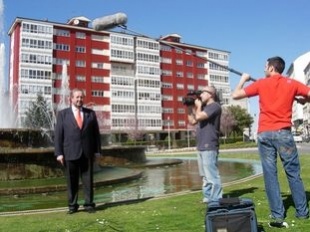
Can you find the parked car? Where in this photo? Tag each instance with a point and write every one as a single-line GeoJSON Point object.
{"type": "Point", "coordinates": [297, 138]}
{"type": "Point", "coordinates": [306, 139]}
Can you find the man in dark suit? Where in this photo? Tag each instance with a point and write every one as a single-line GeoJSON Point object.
{"type": "Point", "coordinates": [76, 147]}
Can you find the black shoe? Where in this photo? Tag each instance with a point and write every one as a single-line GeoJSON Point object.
{"type": "Point", "coordinates": [90, 210]}
{"type": "Point", "coordinates": [72, 211]}
{"type": "Point", "coordinates": [278, 224]}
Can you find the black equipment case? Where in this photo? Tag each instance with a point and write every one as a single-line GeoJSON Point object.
{"type": "Point", "coordinates": [231, 215]}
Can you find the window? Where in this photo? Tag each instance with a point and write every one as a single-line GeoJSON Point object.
{"type": "Point", "coordinates": [80, 35]}
{"type": "Point", "coordinates": [201, 76]}
{"type": "Point", "coordinates": [148, 57]}
{"type": "Point", "coordinates": [219, 78]}
{"type": "Point", "coordinates": [97, 65]}
{"type": "Point", "coordinates": [165, 48]}
{"type": "Point", "coordinates": [122, 54]}
{"type": "Point", "coordinates": [167, 98]}
{"type": "Point", "coordinates": [62, 47]}
{"type": "Point", "coordinates": [179, 74]}
{"type": "Point", "coordinates": [188, 51]}
{"type": "Point", "coordinates": [128, 41]}
{"type": "Point", "coordinates": [80, 63]}
{"type": "Point", "coordinates": [97, 79]}
{"type": "Point", "coordinates": [189, 75]}
{"type": "Point", "coordinates": [166, 60]}
{"type": "Point", "coordinates": [36, 89]}
{"type": "Point", "coordinates": [179, 50]}
{"type": "Point", "coordinates": [200, 65]}
{"type": "Point", "coordinates": [217, 56]}
{"type": "Point", "coordinates": [60, 32]}
{"type": "Point", "coordinates": [59, 61]}
{"type": "Point", "coordinates": [123, 94]}
{"type": "Point", "coordinates": [37, 28]}
{"type": "Point", "coordinates": [190, 87]}
{"type": "Point", "coordinates": [97, 93]}
{"type": "Point", "coordinates": [149, 109]}
{"type": "Point", "coordinates": [81, 78]}
{"type": "Point", "coordinates": [33, 43]}
{"type": "Point", "coordinates": [97, 37]}
{"type": "Point", "coordinates": [179, 62]}
{"type": "Point", "coordinates": [123, 81]}
{"type": "Point", "coordinates": [181, 123]}
{"type": "Point", "coordinates": [189, 63]}
{"type": "Point", "coordinates": [180, 86]}
{"type": "Point", "coordinates": [216, 67]}
{"type": "Point", "coordinates": [148, 45]}
{"type": "Point", "coordinates": [148, 70]}
{"type": "Point", "coordinates": [36, 59]}
{"type": "Point", "coordinates": [149, 83]}
{"type": "Point", "coordinates": [123, 108]}
{"type": "Point", "coordinates": [168, 110]}
{"type": "Point", "coordinates": [166, 72]}
{"type": "Point", "coordinates": [47, 90]}
{"type": "Point", "coordinates": [149, 96]}
{"type": "Point", "coordinates": [80, 49]}
{"type": "Point", "coordinates": [166, 85]}
{"type": "Point", "coordinates": [181, 111]}
{"type": "Point", "coordinates": [201, 54]}
{"type": "Point", "coordinates": [97, 51]}
{"type": "Point", "coordinates": [36, 74]}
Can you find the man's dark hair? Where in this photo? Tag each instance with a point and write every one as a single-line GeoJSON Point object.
{"type": "Point", "coordinates": [278, 63]}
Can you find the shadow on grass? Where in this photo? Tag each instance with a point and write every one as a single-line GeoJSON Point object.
{"type": "Point", "coordinates": [288, 201]}
{"type": "Point", "coordinates": [240, 192]}
{"type": "Point", "coordinates": [118, 203]}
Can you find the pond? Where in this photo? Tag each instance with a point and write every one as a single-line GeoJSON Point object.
{"type": "Point", "coordinates": [154, 182]}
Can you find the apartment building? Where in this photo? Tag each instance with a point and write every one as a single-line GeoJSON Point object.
{"type": "Point", "coordinates": [219, 76]}
{"type": "Point", "coordinates": [306, 109]}
{"type": "Point", "coordinates": [134, 83]}
{"type": "Point", "coordinates": [297, 71]}
{"type": "Point", "coordinates": [183, 69]}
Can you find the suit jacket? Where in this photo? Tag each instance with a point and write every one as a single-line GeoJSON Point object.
{"type": "Point", "coordinates": [71, 141]}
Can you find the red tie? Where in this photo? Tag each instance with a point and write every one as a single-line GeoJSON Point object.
{"type": "Point", "coordinates": [79, 119]}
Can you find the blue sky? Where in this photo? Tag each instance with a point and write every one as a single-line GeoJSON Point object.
{"type": "Point", "coordinates": [252, 30]}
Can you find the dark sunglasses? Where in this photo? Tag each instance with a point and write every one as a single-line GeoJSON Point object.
{"type": "Point", "coordinates": [206, 91]}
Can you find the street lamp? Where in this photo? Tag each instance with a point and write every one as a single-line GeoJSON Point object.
{"type": "Point", "coordinates": [188, 140]}
{"type": "Point", "coordinates": [169, 146]}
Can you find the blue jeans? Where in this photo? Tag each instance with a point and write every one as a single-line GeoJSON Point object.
{"type": "Point", "coordinates": [211, 181]}
{"type": "Point", "coordinates": [281, 142]}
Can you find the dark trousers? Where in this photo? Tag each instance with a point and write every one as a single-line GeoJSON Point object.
{"type": "Point", "coordinates": [76, 169]}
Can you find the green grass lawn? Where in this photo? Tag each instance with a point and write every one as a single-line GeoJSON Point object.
{"type": "Point", "coordinates": [179, 212]}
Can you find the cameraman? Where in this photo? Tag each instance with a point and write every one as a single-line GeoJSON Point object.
{"type": "Point", "coordinates": [275, 140]}
{"type": "Point", "coordinates": [206, 114]}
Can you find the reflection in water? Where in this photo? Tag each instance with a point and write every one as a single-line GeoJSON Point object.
{"type": "Point", "coordinates": [183, 177]}
{"type": "Point", "coordinates": [155, 182]}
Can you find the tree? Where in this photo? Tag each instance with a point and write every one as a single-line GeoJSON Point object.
{"type": "Point", "coordinates": [39, 115]}
{"type": "Point", "coordinates": [243, 119]}
{"type": "Point", "coordinates": [134, 131]}
{"type": "Point", "coordinates": [227, 122]}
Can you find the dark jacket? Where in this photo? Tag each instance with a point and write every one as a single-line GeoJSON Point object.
{"type": "Point", "coordinates": [71, 141]}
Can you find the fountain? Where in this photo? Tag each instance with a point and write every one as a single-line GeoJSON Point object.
{"type": "Point", "coordinates": [65, 91]}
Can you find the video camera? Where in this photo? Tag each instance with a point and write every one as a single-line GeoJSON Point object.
{"type": "Point", "coordinates": [190, 98]}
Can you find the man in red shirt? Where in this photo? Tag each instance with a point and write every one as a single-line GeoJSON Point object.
{"type": "Point", "coordinates": [276, 96]}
